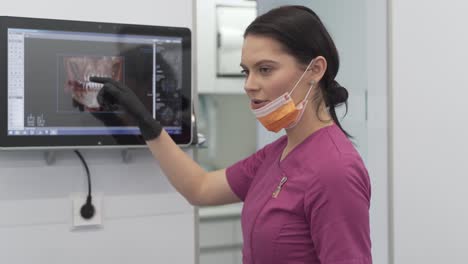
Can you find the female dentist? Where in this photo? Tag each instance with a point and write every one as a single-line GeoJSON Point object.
{"type": "Point", "coordinates": [306, 195]}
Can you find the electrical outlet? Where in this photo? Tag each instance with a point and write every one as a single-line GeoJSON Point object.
{"type": "Point", "coordinates": [78, 200]}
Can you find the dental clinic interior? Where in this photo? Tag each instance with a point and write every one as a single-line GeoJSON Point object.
{"type": "Point", "coordinates": [78, 187]}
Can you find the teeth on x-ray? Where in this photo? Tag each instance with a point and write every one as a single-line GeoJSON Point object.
{"type": "Point", "coordinates": [80, 69]}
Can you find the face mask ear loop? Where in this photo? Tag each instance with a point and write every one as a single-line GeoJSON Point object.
{"type": "Point", "coordinates": [308, 66]}
{"type": "Point", "coordinates": [312, 83]}
{"type": "Point", "coordinates": [304, 103]}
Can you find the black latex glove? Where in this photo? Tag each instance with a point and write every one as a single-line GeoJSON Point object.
{"type": "Point", "coordinates": [116, 93]}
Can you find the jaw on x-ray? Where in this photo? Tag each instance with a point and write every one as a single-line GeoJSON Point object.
{"type": "Point", "coordinates": [78, 69]}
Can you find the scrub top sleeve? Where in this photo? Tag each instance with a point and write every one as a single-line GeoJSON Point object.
{"type": "Point", "coordinates": [240, 175]}
{"type": "Point", "coordinates": [337, 208]}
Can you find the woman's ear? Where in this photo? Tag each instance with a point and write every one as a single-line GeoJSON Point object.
{"type": "Point", "coordinates": [317, 69]}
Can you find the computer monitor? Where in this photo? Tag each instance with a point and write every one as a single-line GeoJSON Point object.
{"type": "Point", "coordinates": [47, 100]}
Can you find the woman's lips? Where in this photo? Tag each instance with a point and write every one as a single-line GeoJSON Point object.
{"type": "Point", "coordinates": [255, 104]}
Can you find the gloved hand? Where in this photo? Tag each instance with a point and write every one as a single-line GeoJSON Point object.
{"type": "Point", "coordinates": [114, 92]}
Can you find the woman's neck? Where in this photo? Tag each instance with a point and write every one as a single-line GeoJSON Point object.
{"type": "Point", "coordinates": [310, 122]}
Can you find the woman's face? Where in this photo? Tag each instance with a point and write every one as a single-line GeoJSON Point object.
{"type": "Point", "coordinates": [270, 71]}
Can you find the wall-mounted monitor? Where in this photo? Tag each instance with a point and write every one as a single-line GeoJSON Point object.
{"type": "Point", "coordinates": [47, 100]}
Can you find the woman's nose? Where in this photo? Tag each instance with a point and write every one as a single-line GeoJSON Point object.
{"type": "Point", "coordinates": [250, 84]}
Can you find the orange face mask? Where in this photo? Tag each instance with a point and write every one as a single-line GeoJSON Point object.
{"type": "Point", "coordinates": [282, 112]}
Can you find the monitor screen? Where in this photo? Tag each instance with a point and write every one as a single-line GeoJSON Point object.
{"type": "Point", "coordinates": [48, 100]}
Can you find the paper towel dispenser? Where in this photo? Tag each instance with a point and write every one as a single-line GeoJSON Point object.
{"type": "Point", "coordinates": [231, 22]}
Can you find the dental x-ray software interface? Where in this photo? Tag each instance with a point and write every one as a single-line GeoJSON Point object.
{"type": "Point", "coordinates": [47, 99]}
{"type": "Point", "coordinates": [49, 92]}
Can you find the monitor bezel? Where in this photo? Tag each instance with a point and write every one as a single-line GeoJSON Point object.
{"type": "Point", "coordinates": [90, 141]}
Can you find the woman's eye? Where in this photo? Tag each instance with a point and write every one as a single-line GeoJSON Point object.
{"type": "Point", "coordinates": [264, 70]}
{"type": "Point", "coordinates": [245, 72]}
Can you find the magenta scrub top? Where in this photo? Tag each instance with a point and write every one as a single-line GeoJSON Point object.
{"type": "Point", "coordinates": [321, 213]}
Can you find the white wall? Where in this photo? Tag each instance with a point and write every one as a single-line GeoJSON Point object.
{"type": "Point", "coordinates": [144, 219]}
{"type": "Point", "coordinates": [173, 13]}
{"type": "Point", "coordinates": [430, 146]}
{"type": "Point", "coordinates": [377, 127]}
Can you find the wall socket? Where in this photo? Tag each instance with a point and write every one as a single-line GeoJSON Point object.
{"type": "Point", "coordinates": [78, 200]}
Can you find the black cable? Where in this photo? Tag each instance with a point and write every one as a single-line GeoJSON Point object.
{"type": "Point", "coordinates": [87, 170]}
{"type": "Point", "coordinates": [87, 210]}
